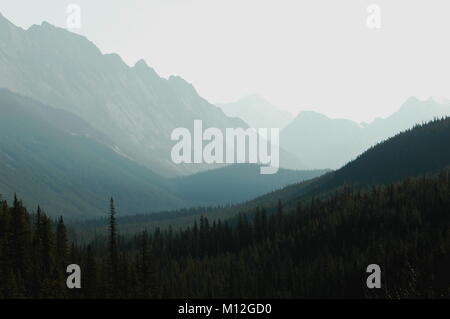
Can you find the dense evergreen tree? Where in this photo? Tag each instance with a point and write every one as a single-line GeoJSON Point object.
{"type": "Point", "coordinates": [113, 253]}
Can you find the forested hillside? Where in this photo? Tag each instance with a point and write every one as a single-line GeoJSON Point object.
{"type": "Point", "coordinates": [319, 249]}
{"type": "Point", "coordinates": [122, 180]}
{"type": "Point", "coordinates": [54, 158]}
{"type": "Point", "coordinates": [419, 150]}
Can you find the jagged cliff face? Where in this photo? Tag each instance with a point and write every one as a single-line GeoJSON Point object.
{"type": "Point", "coordinates": [134, 107]}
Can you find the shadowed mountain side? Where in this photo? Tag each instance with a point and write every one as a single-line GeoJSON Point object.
{"type": "Point", "coordinates": [54, 159]}
{"type": "Point", "coordinates": [234, 184]}
{"type": "Point", "coordinates": [134, 107]}
{"type": "Point", "coordinates": [420, 150]}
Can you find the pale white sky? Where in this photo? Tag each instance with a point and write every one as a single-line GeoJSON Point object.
{"type": "Point", "coordinates": [301, 55]}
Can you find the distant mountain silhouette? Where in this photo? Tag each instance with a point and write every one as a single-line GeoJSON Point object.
{"type": "Point", "coordinates": [134, 107]}
{"type": "Point", "coordinates": [420, 150]}
{"type": "Point", "coordinates": [322, 142]}
{"type": "Point", "coordinates": [416, 152]}
{"type": "Point", "coordinates": [53, 158]}
{"type": "Point", "coordinates": [79, 126]}
{"type": "Point", "coordinates": [257, 112]}
{"type": "Point", "coordinates": [234, 184]}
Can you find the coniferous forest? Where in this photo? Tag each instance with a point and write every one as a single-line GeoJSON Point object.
{"type": "Point", "coordinates": [134, 164]}
{"type": "Point", "coordinates": [319, 249]}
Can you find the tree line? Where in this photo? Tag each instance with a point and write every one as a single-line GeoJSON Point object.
{"type": "Point", "coordinates": [320, 248]}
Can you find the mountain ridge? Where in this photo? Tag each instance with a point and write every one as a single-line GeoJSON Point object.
{"type": "Point", "coordinates": [54, 159]}
{"type": "Point", "coordinates": [133, 106]}
{"type": "Point", "coordinates": [412, 152]}
{"type": "Point", "coordinates": [313, 136]}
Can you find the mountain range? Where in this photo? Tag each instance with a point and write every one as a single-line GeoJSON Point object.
{"type": "Point", "coordinates": [53, 158]}
{"type": "Point", "coordinates": [133, 107]}
{"type": "Point", "coordinates": [322, 142]}
{"type": "Point", "coordinates": [417, 151]}
{"type": "Point", "coordinates": [414, 153]}
{"type": "Point", "coordinates": [79, 126]}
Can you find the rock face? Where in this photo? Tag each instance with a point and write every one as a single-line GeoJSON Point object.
{"type": "Point", "coordinates": [132, 106]}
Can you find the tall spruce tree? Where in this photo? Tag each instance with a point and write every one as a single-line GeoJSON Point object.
{"type": "Point", "coordinates": [113, 253]}
{"type": "Point", "coordinates": [61, 243]}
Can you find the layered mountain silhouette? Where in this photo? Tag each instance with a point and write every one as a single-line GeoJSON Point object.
{"type": "Point", "coordinates": [420, 150]}
{"type": "Point", "coordinates": [53, 158]}
{"type": "Point", "coordinates": [257, 112]}
{"type": "Point", "coordinates": [323, 142]}
{"type": "Point", "coordinates": [79, 126]}
{"type": "Point", "coordinates": [235, 184]}
{"type": "Point", "coordinates": [133, 106]}
{"type": "Point", "coordinates": [416, 152]}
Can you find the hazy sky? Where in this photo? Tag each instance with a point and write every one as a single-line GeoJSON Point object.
{"type": "Point", "coordinates": [301, 55]}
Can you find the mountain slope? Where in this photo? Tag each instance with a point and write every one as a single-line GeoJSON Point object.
{"type": "Point", "coordinates": [257, 112]}
{"type": "Point", "coordinates": [323, 142]}
{"type": "Point", "coordinates": [420, 150]}
{"type": "Point", "coordinates": [53, 158]}
{"type": "Point", "coordinates": [235, 184]}
{"type": "Point", "coordinates": [134, 107]}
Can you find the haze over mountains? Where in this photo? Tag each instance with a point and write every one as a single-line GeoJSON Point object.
{"type": "Point", "coordinates": [78, 126]}
{"type": "Point", "coordinates": [52, 158]}
{"type": "Point", "coordinates": [321, 142]}
{"type": "Point", "coordinates": [235, 184]}
{"type": "Point", "coordinates": [134, 107]}
{"type": "Point", "coordinates": [257, 112]}
{"type": "Point", "coordinates": [330, 143]}
{"type": "Point", "coordinates": [414, 152]}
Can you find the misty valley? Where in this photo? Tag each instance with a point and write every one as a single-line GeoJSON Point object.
{"type": "Point", "coordinates": [120, 181]}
